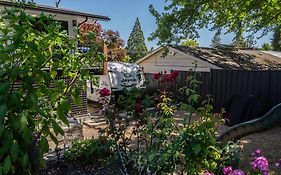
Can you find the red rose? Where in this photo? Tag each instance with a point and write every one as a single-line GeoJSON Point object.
{"type": "Point", "coordinates": [104, 92]}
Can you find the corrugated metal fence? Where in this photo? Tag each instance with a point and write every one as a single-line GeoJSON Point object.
{"type": "Point", "coordinates": [224, 84]}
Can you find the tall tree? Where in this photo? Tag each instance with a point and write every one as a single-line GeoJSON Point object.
{"type": "Point", "coordinates": [136, 47]}
{"type": "Point", "coordinates": [216, 41]}
{"type": "Point", "coordinates": [183, 18]}
{"type": "Point", "coordinates": [250, 42]}
{"type": "Point", "coordinates": [276, 41]}
{"type": "Point", "coordinates": [239, 40]}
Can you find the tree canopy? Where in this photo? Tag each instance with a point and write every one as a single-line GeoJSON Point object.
{"type": "Point", "coordinates": [190, 43]}
{"type": "Point", "coordinates": [136, 43]}
{"type": "Point", "coordinates": [182, 18]}
{"type": "Point", "coordinates": [217, 38]}
{"type": "Point", "coordinates": [276, 40]}
{"type": "Point", "coordinates": [93, 33]}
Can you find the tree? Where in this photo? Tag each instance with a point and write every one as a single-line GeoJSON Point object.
{"type": "Point", "coordinates": [136, 47]}
{"type": "Point", "coordinates": [276, 41]}
{"type": "Point", "coordinates": [266, 47]}
{"type": "Point", "coordinates": [250, 42]}
{"type": "Point", "coordinates": [39, 69]}
{"type": "Point", "coordinates": [190, 43]}
{"type": "Point", "coordinates": [239, 40]}
{"type": "Point", "coordinates": [216, 41]}
{"type": "Point", "coordinates": [182, 18]}
{"type": "Point", "coordinates": [93, 33]}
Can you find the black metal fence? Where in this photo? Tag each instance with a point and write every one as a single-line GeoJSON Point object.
{"type": "Point", "coordinates": [222, 85]}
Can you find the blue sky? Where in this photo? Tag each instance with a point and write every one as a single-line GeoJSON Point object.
{"type": "Point", "coordinates": [123, 14]}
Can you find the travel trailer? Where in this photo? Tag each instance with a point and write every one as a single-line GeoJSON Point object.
{"type": "Point", "coordinates": [120, 76]}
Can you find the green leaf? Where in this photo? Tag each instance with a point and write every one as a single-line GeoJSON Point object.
{"type": "Point", "coordinates": [2, 129]}
{"type": "Point", "coordinates": [54, 138]}
{"type": "Point", "coordinates": [4, 87]}
{"type": "Point", "coordinates": [197, 148]}
{"type": "Point", "coordinates": [57, 128]}
{"type": "Point", "coordinates": [76, 96]}
{"type": "Point", "coordinates": [62, 110]}
{"type": "Point", "coordinates": [23, 120]}
{"type": "Point", "coordinates": [44, 145]}
{"type": "Point", "coordinates": [27, 135]}
{"type": "Point", "coordinates": [14, 100]}
{"type": "Point", "coordinates": [24, 160]}
{"type": "Point", "coordinates": [193, 98]}
{"type": "Point", "coordinates": [1, 170]}
{"type": "Point", "coordinates": [7, 165]}
{"type": "Point", "coordinates": [53, 74]}
{"type": "Point", "coordinates": [14, 151]}
{"type": "Point", "coordinates": [3, 111]}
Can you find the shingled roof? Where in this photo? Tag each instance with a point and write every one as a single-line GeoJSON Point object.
{"type": "Point", "coordinates": [234, 58]}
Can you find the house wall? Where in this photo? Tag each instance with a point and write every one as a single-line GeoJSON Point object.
{"type": "Point", "coordinates": [172, 61]}
{"type": "Point", "coordinates": [60, 17]}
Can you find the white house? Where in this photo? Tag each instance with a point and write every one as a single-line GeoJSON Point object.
{"type": "Point", "coordinates": [69, 19]}
{"type": "Point", "coordinates": [183, 58]}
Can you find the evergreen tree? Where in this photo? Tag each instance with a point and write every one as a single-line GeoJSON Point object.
{"type": "Point", "coordinates": [276, 41]}
{"type": "Point", "coordinates": [250, 42]}
{"type": "Point", "coordinates": [136, 47]}
{"type": "Point", "coordinates": [266, 47]}
{"type": "Point", "coordinates": [216, 41]}
{"type": "Point", "coordinates": [239, 40]}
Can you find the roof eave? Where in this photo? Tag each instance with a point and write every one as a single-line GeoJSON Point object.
{"type": "Point", "coordinates": [51, 9]}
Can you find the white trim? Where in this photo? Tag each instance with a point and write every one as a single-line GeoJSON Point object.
{"type": "Point", "coordinates": [212, 66]}
{"type": "Point", "coordinates": [152, 53]}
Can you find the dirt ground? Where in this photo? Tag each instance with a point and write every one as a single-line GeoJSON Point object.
{"type": "Point", "coordinates": [269, 142]}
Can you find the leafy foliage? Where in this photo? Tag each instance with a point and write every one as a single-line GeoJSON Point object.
{"type": "Point", "coordinates": [136, 43]}
{"type": "Point", "coordinates": [216, 41]}
{"type": "Point", "coordinates": [190, 43]}
{"type": "Point", "coordinates": [276, 41]}
{"type": "Point", "coordinates": [266, 46]}
{"type": "Point", "coordinates": [115, 44]}
{"type": "Point", "coordinates": [155, 142]}
{"type": "Point", "coordinates": [182, 18]}
{"type": "Point", "coordinates": [97, 152]}
{"type": "Point", "coordinates": [38, 70]}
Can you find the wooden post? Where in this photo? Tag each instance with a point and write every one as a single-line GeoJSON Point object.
{"type": "Point", "coordinates": [105, 51]}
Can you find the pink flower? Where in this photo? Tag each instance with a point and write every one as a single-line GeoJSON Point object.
{"type": "Point", "coordinates": [227, 170]}
{"type": "Point", "coordinates": [171, 77]}
{"type": "Point", "coordinates": [207, 173]}
{"type": "Point", "coordinates": [238, 172]}
{"type": "Point", "coordinates": [257, 153]}
{"type": "Point", "coordinates": [104, 92]}
{"type": "Point", "coordinates": [260, 163]}
{"type": "Point", "coordinates": [157, 76]}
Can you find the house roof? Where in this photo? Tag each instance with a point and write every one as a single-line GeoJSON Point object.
{"type": "Point", "coordinates": [149, 54]}
{"type": "Point", "coordinates": [231, 58]}
{"type": "Point", "coordinates": [56, 10]}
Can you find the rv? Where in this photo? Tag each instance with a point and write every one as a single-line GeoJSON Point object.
{"type": "Point", "coordinates": [121, 76]}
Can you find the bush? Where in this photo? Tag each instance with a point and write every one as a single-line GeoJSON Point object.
{"type": "Point", "coordinates": [97, 153]}
{"type": "Point", "coordinates": [38, 69]}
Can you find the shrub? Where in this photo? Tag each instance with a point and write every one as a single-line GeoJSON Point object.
{"type": "Point", "coordinates": [37, 71]}
{"type": "Point", "coordinates": [96, 152]}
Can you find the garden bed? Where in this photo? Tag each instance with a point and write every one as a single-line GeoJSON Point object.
{"type": "Point", "coordinates": [267, 141]}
